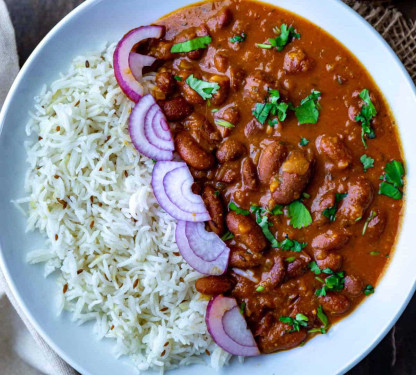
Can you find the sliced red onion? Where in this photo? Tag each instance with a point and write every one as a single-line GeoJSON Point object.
{"type": "Point", "coordinates": [172, 185]}
{"type": "Point", "coordinates": [248, 274]}
{"type": "Point", "coordinates": [137, 62]}
{"type": "Point", "coordinates": [121, 60]}
{"type": "Point", "coordinates": [228, 327]}
{"type": "Point", "coordinates": [204, 251]}
{"type": "Point", "coordinates": [149, 130]}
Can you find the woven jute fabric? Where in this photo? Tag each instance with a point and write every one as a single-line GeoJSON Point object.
{"type": "Point", "coordinates": [395, 28]}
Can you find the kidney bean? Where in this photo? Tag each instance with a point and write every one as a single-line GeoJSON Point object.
{"type": "Point", "coordinates": [252, 128]}
{"type": "Point", "coordinates": [328, 260]}
{"type": "Point", "coordinates": [270, 161]}
{"type": "Point", "coordinates": [335, 303]}
{"type": "Point", "coordinates": [165, 82]}
{"type": "Point", "coordinates": [213, 285]}
{"type": "Point", "coordinates": [241, 258]}
{"type": "Point", "coordinates": [222, 93]}
{"type": "Point", "coordinates": [297, 267]}
{"type": "Point", "coordinates": [190, 94]}
{"type": "Point", "coordinates": [293, 177]}
{"type": "Point", "coordinates": [278, 337]}
{"type": "Point", "coordinates": [330, 240]}
{"type": "Point", "coordinates": [176, 109]}
{"type": "Point", "coordinates": [215, 208]}
{"type": "Point", "coordinates": [161, 50]}
{"type": "Point", "coordinates": [335, 151]}
{"type": "Point", "coordinates": [229, 172]}
{"type": "Point", "coordinates": [237, 77]}
{"type": "Point", "coordinates": [249, 174]}
{"type": "Point", "coordinates": [220, 20]}
{"type": "Point", "coordinates": [376, 225]}
{"type": "Point", "coordinates": [247, 231]}
{"type": "Point", "coordinates": [353, 285]}
{"type": "Point", "coordinates": [324, 200]}
{"type": "Point", "coordinates": [275, 276]}
{"type": "Point", "coordinates": [221, 62]}
{"type": "Point", "coordinates": [257, 86]}
{"type": "Point", "coordinates": [296, 61]}
{"type": "Point", "coordinates": [229, 113]}
{"type": "Point", "coordinates": [359, 198]}
{"type": "Point", "coordinates": [192, 153]}
{"type": "Point", "coordinates": [230, 149]}
{"type": "Point", "coordinates": [203, 131]}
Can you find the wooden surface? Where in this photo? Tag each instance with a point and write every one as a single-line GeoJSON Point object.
{"type": "Point", "coordinates": [396, 354]}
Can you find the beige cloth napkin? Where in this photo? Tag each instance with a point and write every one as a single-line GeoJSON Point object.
{"type": "Point", "coordinates": [22, 350]}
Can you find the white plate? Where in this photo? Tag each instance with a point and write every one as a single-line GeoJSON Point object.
{"type": "Point", "coordinates": [88, 28]}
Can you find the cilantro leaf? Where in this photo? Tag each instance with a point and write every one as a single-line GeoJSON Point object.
{"type": "Point", "coordinates": [367, 162]}
{"type": "Point", "coordinates": [330, 212]}
{"type": "Point", "coordinates": [372, 215]}
{"type": "Point", "coordinates": [203, 88]}
{"type": "Point", "coordinates": [369, 289]}
{"type": "Point", "coordinates": [227, 236]}
{"type": "Point", "coordinates": [290, 259]}
{"type": "Point", "coordinates": [192, 45]}
{"type": "Point", "coordinates": [292, 245]}
{"type": "Point", "coordinates": [395, 173]}
{"type": "Point", "coordinates": [285, 35]}
{"type": "Point", "coordinates": [322, 317]}
{"type": "Point", "coordinates": [271, 107]}
{"type": "Point", "coordinates": [177, 78]}
{"type": "Point", "coordinates": [334, 282]}
{"type": "Point", "coordinates": [308, 111]}
{"type": "Point", "coordinates": [264, 224]}
{"type": "Point", "coordinates": [390, 191]}
{"type": "Point", "coordinates": [314, 268]}
{"type": "Point", "coordinates": [238, 38]}
{"type": "Point", "coordinates": [232, 206]}
{"type": "Point", "coordinates": [303, 141]}
{"type": "Point", "coordinates": [299, 321]}
{"type": "Point", "coordinates": [368, 111]}
{"type": "Point", "coordinates": [299, 215]}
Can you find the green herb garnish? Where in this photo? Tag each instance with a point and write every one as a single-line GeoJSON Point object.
{"type": "Point", "coordinates": [242, 307]}
{"type": "Point", "coordinates": [308, 111]}
{"type": "Point", "coordinates": [334, 282]}
{"type": "Point", "coordinates": [367, 162]}
{"type": "Point", "coordinates": [299, 215]}
{"type": "Point", "coordinates": [238, 38]}
{"type": "Point", "coordinates": [322, 317]}
{"type": "Point", "coordinates": [370, 217]}
{"type": "Point", "coordinates": [314, 267]}
{"type": "Point", "coordinates": [285, 35]}
{"type": "Point", "coordinates": [374, 252]}
{"type": "Point", "coordinates": [227, 236]}
{"type": "Point", "coordinates": [232, 206]}
{"type": "Point", "coordinates": [272, 107]}
{"type": "Point", "coordinates": [292, 245]}
{"type": "Point", "coordinates": [224, 123]}
{"type": "Point", "coordinates": [368, 111]}
{"type": "Point", "coordinates": [299, 321]}
{"type": "Point", "coordinates": [330, 212]}
{"type": "Point", "coordinates": [214, 110]}
{"type": "Point", "coordinates": [392, 180]}
{"type": "Point", "coordinates": [290, 259]}
{"type": "Point", "coordinates": [177, 78]}
{"type": "Point", "coordinates": [203, 88]}
{"type": "Point", "coordinates": [192, 45]}
{"type": "Point", "coordinates": [303, 141]}
{"type": "Point", "coordinates": [260, 288]}
{"type": "Point", "coordinates": [369, 289]}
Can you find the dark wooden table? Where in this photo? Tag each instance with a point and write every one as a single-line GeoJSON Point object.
{"type": "Point", "coordinates": [396, 354]}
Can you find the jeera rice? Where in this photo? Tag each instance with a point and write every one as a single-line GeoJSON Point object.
{"type": "Point", "coordinates": [89, 192]}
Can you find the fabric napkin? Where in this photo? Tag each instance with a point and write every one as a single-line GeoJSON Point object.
{"type": "Point", "coordinates": [22, 350]}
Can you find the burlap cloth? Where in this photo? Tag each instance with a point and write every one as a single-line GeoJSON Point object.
{"type": "Point", "coordinates": [22, 350]}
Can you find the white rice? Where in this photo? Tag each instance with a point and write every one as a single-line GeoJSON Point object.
{"type": "Point", "coordinates": [89, 191]}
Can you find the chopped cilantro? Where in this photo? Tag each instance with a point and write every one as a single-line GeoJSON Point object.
{"type": "Point", "coordinates": [308, 111]}
{"type": "Point", "coordinates": [369, 289]}
{"type": "Point", "coordinates": [374, 252]}
{"type": "Point", "coordinates": [214, 110]}
{"type": "Point", "coordinates": [299, 321]}
{"type": "Point", "coordinates": [238, 38]}
{"type": "Point", "coordinates": [232, 206]}
{"type": "Point", "coordinates": [192, 45]}
{"type": "Point", "coordinates": [217, 193]}
{"type": "Point", "coordinates": [271, 107]}
{"type": "Point", "coordinates": [290, 259]}
{"type": "Point", "coordinates": [306, 195]}
{"type": "Point", "coordinates": [224, 123]}
{"type": "Point", "coordinates": [177, 78]}
{"type": "Point", "coordinates": [242, 307]}
{"type": "Point", "coordinates": [370, 217]}
{"type": "Point", "coordinates": [314, 267]}
{"type": "Point", "coordinates": [368, 111]}
{"type": "Point", "coordinates": [334, 282]}
{"type": "Point", "coordinates": [227, 236]}
{"type": "Point", "coordinates": [284, 36]}
{"type": "Point", "coordinates": [367, 162]}
{"type": "Point", "coordinates": [303, 141]}
{"type": "Point", "coordinates": [292, 245]}
{"type": "Point", "coordinates": [260, 288]}
{"type": "Point", "coordinates": [322, 317]}
{"type": "Point", "coordinates": [330, 212]}
{"type": "Point", "coordinates": [203, 88]}
{"type": "Point", "coordinates": [392, 180]}
{"type": "Point", "coordinates": [299, 215]}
